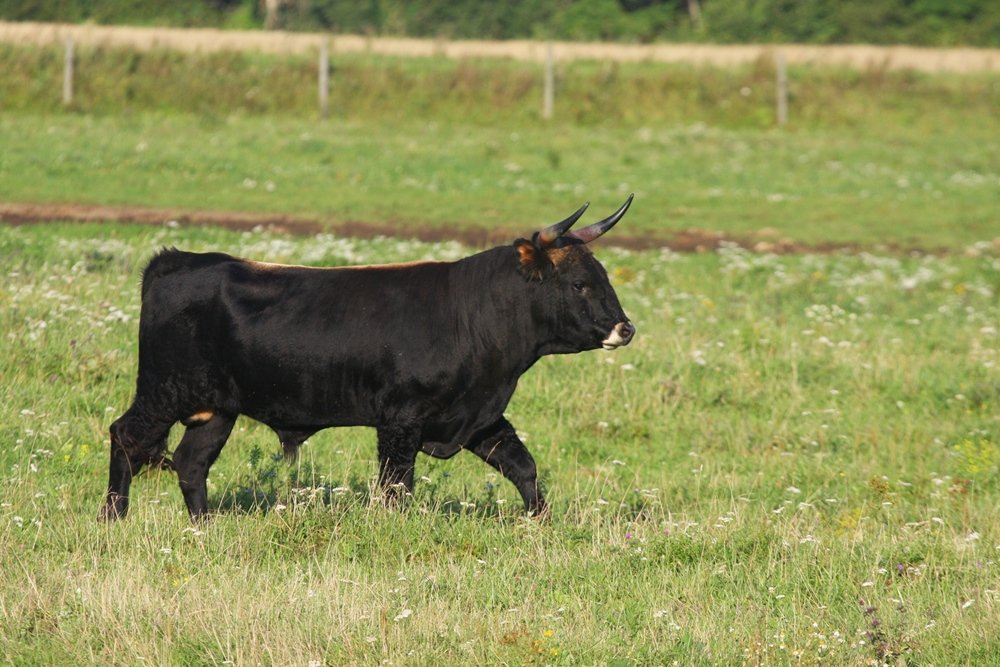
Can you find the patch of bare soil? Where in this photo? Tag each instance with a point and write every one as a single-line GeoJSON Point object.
{"type": "Point", "coordinates": [858, 56]}
{"type": "Point", "coordinates": [684, 241]}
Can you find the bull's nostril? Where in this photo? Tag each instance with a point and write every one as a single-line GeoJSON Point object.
{"type": "Point", "coordinates": [627, 331]}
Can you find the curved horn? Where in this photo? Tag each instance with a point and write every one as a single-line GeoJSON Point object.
{"type": "Point", "coordinates": [548, 235]}
{"type": "Point", "coordinates": [591, 232]}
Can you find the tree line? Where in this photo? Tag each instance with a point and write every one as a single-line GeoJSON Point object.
{"type": "Point", "coordinates": [920, 22]}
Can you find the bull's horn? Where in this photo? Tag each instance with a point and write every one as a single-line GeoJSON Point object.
{"type": "Point", "coordinates": [548, 235]}
{"type": "Point", "coordinates": [591, 232]}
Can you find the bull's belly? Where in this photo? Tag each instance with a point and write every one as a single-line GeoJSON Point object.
{"type": "Point", "coordinates": [306, 427]}
{"type": "Point", "coordinates": [445, 429]}
{"type": "Point", "coordinates": [442, 435]}
{"type": "Point", "coordinates": [291, 406]}
{"type": "Point", "coordinates": [294, 418]}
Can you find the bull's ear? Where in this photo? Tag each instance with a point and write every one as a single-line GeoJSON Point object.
{"type": "Point", "coordinates": [533, 259]}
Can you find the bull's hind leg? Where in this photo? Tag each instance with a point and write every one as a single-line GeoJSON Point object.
{"type": "Point", "coordinates": [197, 451]}
{"type": "Point", "coordinates": [136, 439]}
{"type": "Point", "coordinates": [503, 450]}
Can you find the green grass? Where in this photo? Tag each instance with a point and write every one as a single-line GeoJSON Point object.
{"type": "Point", "coordinates": [899, 187]}
{"type": "Point", "coordinates": [796, 461]}
{"type": "Point", "coordinates": [870, 157]}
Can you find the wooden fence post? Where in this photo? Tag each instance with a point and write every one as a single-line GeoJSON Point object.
{"type": "Point", "coordinates": [782, 94]}
{"type": "Point", "coordinates": [694, 12]}
{"type": "Point", "coordinates": [324, 79]}
{"type": "Point", "coordinates": [548, 92]}
{"type": "Point", "coordinates": [68, 73]}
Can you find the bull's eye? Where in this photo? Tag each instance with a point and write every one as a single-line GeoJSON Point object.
{"type": "Point", "coordinates": [579, 286]}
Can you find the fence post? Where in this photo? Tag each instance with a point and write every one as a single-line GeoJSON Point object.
{"type": "Point", "coordinates": [694, 12]}
{"type": "Point", "coordinates": [548, 92]}
{"type": "Point", "coordinates": [324, 79]}
{"type": "Point", "coordinates": [68, 73]}
{"type": "Point", "coordinates": [782, 94]}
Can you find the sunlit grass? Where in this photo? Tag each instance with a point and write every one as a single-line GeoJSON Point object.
{"type": "Point", "coordinates": [870, 157]}
{"type": "Point", "coordinates": [873, 187]}
{"type": "Point", "coordinates": [795, 461]}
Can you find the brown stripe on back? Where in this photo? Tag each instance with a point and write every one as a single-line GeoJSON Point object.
{"type": "Point", "coordinates": [270, 267]}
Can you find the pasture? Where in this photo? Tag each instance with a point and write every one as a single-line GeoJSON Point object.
{"type": "Point", "coordinates": [925, 188]}
{"type": "Point", "coordinates": [795, 462]}
{"type": "Point", "coordinates": [869, 157]}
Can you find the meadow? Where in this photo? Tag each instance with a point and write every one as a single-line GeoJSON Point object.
{"type": "Point", "coordinates": [891, 187]}
{"type": "Point", "coordinates": [868, 158]}
{"type": "Point", "coordinates": [795, 462]}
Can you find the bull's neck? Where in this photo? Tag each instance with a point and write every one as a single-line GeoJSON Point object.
{"type": "Point", "coordinates": [504, 314]}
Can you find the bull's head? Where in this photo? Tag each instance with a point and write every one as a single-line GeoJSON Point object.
{"type": "Point", "coordinates": [589, 314]}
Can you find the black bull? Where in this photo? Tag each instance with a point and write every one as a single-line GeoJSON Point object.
{"type": "Point", "coordinates": [427, 353]}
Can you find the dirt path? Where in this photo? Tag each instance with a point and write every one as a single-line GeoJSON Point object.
{"type": "Point", "coordinates": [685, 241]}
{"type": "Point", "coordinates": [205, 40]}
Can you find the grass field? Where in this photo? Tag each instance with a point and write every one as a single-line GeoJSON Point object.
{"type": "Point", "coordinates": [869, 157]}
{"type": "Point", "coordinates": [905, 188]}
{"type": "Point", "coordinates": [796, 462]}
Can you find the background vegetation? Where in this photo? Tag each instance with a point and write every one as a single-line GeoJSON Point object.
{"type": "Point", "coordinates": [869, 157]}
{"type": "Point", "coordinates": [491, 91]}
{"type": "Point", "coordinates": [928, 22]}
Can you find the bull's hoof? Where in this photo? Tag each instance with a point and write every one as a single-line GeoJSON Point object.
{"type": "Point", "coordinates": [201, 518]}
{"type": "Point", "coordinates": [540, 513]}
{"type": "Point", "coordinates": [115, 508]}
{"type": "Point", "coordinates": [394, 496]}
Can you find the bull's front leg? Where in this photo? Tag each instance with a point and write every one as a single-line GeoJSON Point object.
{"type": "Point", "coordinates": [397, 452]}
{"type": "Point", "coordinates": [503, 450]}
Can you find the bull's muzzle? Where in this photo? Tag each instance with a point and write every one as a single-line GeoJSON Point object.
{"type": "Point", "coordinates": [621, 335]}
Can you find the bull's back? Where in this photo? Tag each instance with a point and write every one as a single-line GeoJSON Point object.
{"type": "Point", "coordinates": [285, 344]}
{"type": "Point", "coordinates": [328, 346]}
